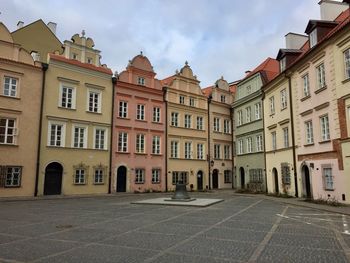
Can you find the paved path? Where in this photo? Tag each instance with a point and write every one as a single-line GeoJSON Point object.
{"type": "Point", "coordinates": [243, 228]}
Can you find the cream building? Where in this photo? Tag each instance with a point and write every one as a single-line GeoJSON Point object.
{"type": "Point", "coordinates": [187, 120]}
{"type": "Point", "coordinates": [76, 122]}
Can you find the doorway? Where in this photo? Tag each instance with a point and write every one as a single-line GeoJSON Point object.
{"type": "Point", "coordinates": [121, 179]}
{"type": "Point", "coordinates": [215, 177]}
{"type": "Point", "coordinates": [200, 180]}
{"type": "Point", "coordinates": [307, 181]}
{"type": "Point", "coordinates": [53, 179]}
{"type": "Point", "coordinates": [241, 172]}
{"type": "Point", "coordinates": [275, 178]}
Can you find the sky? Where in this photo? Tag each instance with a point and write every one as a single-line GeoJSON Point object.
{"type": "Point", "coordinates": [216, 37]}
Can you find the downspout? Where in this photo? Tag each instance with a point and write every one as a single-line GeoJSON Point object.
{"type": "Point", "coordinates": [293, 135]}
{"type": "Point", "coordinates": [209, 153]}
{"type": "Point", "coordinates": [166, 138]}
{"type": "Point", "coordinates": [263, 117]}
{"type": "Point", "coordinates": [114, 83]}
{"type": "Point", "coordinates": [233, 149]}
{"type": "Point", "coordinates": [44, 67]}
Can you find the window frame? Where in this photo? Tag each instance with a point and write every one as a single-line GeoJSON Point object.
{"type": "Point", "coordinates": [140, 175]}
{"type": "Point", "coordinates": [274, 140]}
{"type": "Point", "coordinates": [325, 132]}
{"type": "Point", "coordinates": [306, 85]}
{"type": "Point", "coordinates": [156, 149]}
{"type": "Point", "coordinates": [188, 150]}
{"type": "Point", "coordinates": [249, 145]}
{"type": "Point", "coordinates": [140, 112]}
{"type": "Point", "coordinates": [200, 123]}
{"type": "Point", "coordinates": [257, 111]}
{"type": "Point", "coordinates": [347, 63]}
{"type": "Point", "coordinates": [174, 149]}
{"type": "Point", "coordinates": [82, 140]}
{"type": "Point", "coordinates": [140, 144]}
{"type": "Point", "coordinates": [217, 151]}
{"type": "Point", "coordinates": [123, 142]}
{"type": "Point", "coordinates": [272, 105]}
{"type": "Point", "coordinates": [200, 151]}
{"type": "Point", "coordinates": [123, 109]}
{"type": "Point", "coordinates": [284, 102]}
{"type": "Point", "coordinates": [321, 76]}
{"type": "Point", "coordinates": [175, 119]}
{"type": "Point", "coordinates": [309, 131]}
{"type": "Point", "coordinates": [62, 136]}
{"type": "Point", "coordinates": [156, 114]}
{"type": "Point", "coordinates": [286, 137]}
{"type": "Point", "coordinates": [156, 174]}
{"type": "Point", "coordinates": [259, 143]}
{"type": "Point", "coordinates": [216, 126]}
{"type": "Point", "coordinates": [14, 131]}
{"type": "Point", "coordinates": [96, 107]}
{"type": "Point", "coordinates": [61, 97]}
{"type": "Point", "coordinates": [188, 121]}
{"type": "Point", "coordinates": [10, 86]}
{"type": "Point", "coordinates": [97, 141]}
{"type": "Point", "coordinates": [5, 171]}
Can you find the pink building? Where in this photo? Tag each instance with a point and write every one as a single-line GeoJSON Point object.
{"type": "Point", "coordinates": [139, 130]}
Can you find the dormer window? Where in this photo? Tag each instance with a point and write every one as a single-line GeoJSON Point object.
{"type": "Point", "coordinates": [313, 38]}
{"type": "Point", "coordinates": [223, 98]}
{"type": "Point", "coordinates": [141, 81]}
{"type": "Point", "coordinates": [283, 64]}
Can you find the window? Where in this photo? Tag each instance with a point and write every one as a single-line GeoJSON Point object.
{"type": "Point", "coordinates": [227, 177]}
{"type": "Point", "coordinates": [324, 128]}
{"type": "Point", "coordinates": [328, 178]}
{"type": "Point", "coordinates": [258, 111]}
{"type": "Point", "coordinates": [283, 64]}
{"type": "Point", "coordinates": [79, 177]}
{"type": "Point", "coordinates": [200, 151]}
{"type": "Point", "coordinates": [259, 143]}
{"type": "Point", "coordinates": [217, 151]}
{"type": "Point", "coordinates": [285, 173]}
{"type": "Point", "coordinates": [74, 56]}
{"type": "Point", "coordinates": [216, 124]}
{"type": "Point", "coordinates": [306, 85]}
{"type": "Point", "coordinates": [123, 142]}
{"type": "Point", "coordinates": [98, 176]}
{"type": "Point", "coordinates": [56, 135]}
{"type": "Point", "coordinates": [67, 97]}
{"type": "Point", "coordinates": [100, 139]}
{"type": "Point", "coordinates": [156, 145]}
{"type": "Point", "coordinates": [10, 86]}
{"type": "Point", "coordinates": [89, 60]}
{"type": "Point", "coordinates": [139, 176]}
{"type": "Point", "coordinates": [347, 63]}
{"type": "Point", "coordinates": [141, 81]}
{"type": "Point", "coordinates": [180, 177]}
{"type": "Point", "coordinates": [240, 117]}
{"type": "Point", "coordinates": [155, 176]}
{"type": "Point", "coordinates": [12, 175]}
{"type": "Point", "coordinates": [255, 175]}
{"type": "Point", "coordinates": [199, 123]}
{"type": "Point", "coordinates": [79, 136]}
{"type": "Point", "coordinates": [94, 101]}
{"type": "Point", "coordinates": [240, 147]}
{"type": "Point", "coordinates": [285, 137]}
{"type": "Point", "coordinates": [182, 99]}
{"type": "Point", "coordinates": [272, 105]}
{"type": "Point", "coordinates": [192, 102]}
{"type": "Point", "coordinates": [123, 109]}
{"type": "Point", "coordinates": [188, 150]}
{"type": "Point", "coordinates": [313, 38]}
{"type": "Point", "coordinates": [227, 126]}
{"type": "Point", "coordinates": [174, 119]}
{"type": "Point", "coordinates": [156, 114]}
{"type": "Point", "coordinates": [309, 132]}
{"type": "Point", "coordinates": [248, 114]}
{"type": "Point", "coordinates": [223, 98]}
{"type": "Point", "coordinates": [187, 121]}
{"type": "Point", "coordinates": [140, 143]}
{"type": "Point", "coordinates": [174, 146]}
{"type": "Point", "coordinates": [274, 143]}
{"type": "Point", "coordinates": [321, 78]}
{"type": "Point", "coordinates": [140, 112]}
{"type": "Point", "coordinates": [227, 152]}
{"type": "Point", "coordinates": [249, 90]}
{"type": "Point", "coordinates": [249, 145]}
{"type": "Point", "coordinates": [283, 99]}
{"type": "Point", "coordinates": [8, 131]}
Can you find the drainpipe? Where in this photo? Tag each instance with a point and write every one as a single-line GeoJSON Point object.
{"type": "Point", "coordinates": [263, 117]}
{"type": "Point", "coordinates": [293, 135]}
{"type": "Point", "coordinates": [114, 83]}
{"type": "Point", "coordinates": [44, 67]}
{"type": "Point", "coordinates": [232, 150]}
{"type": "Point", "coordinates": [166, 138]}
{"type": "Point", "coordinates": [209, 153]}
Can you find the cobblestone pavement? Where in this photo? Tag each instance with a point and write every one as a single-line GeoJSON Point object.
{"type": "Point", "coordinates": [110, 229]}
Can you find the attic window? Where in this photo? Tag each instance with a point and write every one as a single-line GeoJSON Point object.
{"type": "Point", "coordinates": [74, 56]}
{"type": "Point", "coordinates": [282, 64]}
{"type": "Point", "coordinates": [141, 81]}
{"type": "Point", "coordinates": [89, 60]}
{"type": "Point", "coordinates": [223, 98]}
{"type": "Point", "coordinates": [313, 38]}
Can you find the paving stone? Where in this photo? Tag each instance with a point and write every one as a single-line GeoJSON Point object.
{"type": "Point", "coordinates": [192, 220]}
{"type": "Point", "coordinates": [249, 225]}
{"type": "Point", "coordinates": [9, 238]}
{"type": "Point", "coordinates": [235, 234]}
{"type": "Point", "coordinates": [177, 258]}
{"type": "Point", "coordinates": [304, 230]}
{"type": "Point", "coordinates": [172, 228]}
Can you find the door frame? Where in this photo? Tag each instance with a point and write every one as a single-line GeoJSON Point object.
{"type": "Point", "coordinates": [118, 187]}
{"type": "Point", "coordinates": [47, 191]}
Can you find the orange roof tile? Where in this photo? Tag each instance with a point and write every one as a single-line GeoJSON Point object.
{"type": "Point", "coordinates": [270, 66]}
{"type": "Point", "coordinates": [207, 91]}
{"type": "Point", "coordinates": [167, 80]}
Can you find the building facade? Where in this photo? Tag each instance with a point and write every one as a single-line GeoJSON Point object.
{"type": "Point", "coordinates": [220, 136]}
{"type": "Point", "coordinates": [139, 130]}
{"type": "Point", "coordinates": [20, 100]}
{"type": "Point", "coordinates": [249, 127]}
{"type": "Point", "coordinates": [187, 132]}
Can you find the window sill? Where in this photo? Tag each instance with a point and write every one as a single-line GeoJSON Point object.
{"type": "Point", "coordinates": [10, 97]}
{"type": "Point", "coordinates": [156, 154]}
{"type": "Point", "coordinates": [64, 108]}
{"type": "Point", "coordinates": [123, 118]}
{"type": "Point", "coordinates": [140, 153]}
{"type": "Point", "coordinates": [309, 144]}
{"type": "Point", "coordinates": [346, 80]}
{"type": "Point", "coordinates": [9, 144]}
{"type": "Point", "coordinates": [321, 89]}
{"type": "Point", "coordinates": [155, 182]}
{"type": "Point", "coordinates": [305, 98]}
{"type": "Point", "coordinates": [98, 113]}
{"type": "Point", "coordinates": [123, 152]}
{"type": "Point", "coordinates": [157, 122]}
{"type": "Point", "coordinates": [140, 120]}
{"type": "Point", "coordinates": [99, 183]}
{"type": "Point", "coordinates": [139, 182]}
{"type": "Point", "coordinates": [282, 109]}
{"type": "Point", "coordinates": [12, 186]}
{"type": "Point", "coordinates": [326, 141]}
{"type": "Point", "coordinates": [330, 190]}
{"type": "Point", "coordinates": [80, 184]}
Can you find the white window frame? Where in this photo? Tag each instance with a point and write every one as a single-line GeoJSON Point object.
{"type": "Point", "coordinates": [240, 149]}
{"type": "Point", "coordinates": [82, 140]}
{"type": "Point", "coordinates": [272, 105]}
{"type": "Point", "coordinates": [283, 64]}
{"type": "Point", "coordinates": [259, 143]}
{"type": "Point", "coordinates": [249, 145]}
{"type": "Point", "coordinates": [320, 75]}
{"type": "Point", "coordinates": [192, 102]}
{"type": "Point", "coordinates": [139, 176]}
{"type": "Point", "coordinates": [227, 152]}
{"type": "Point", "coordinates": [156, 144]}
{"type": "Point", "coordinates": [13, 176]}
{"type": "Point", "coordinates": [283, 95]}
{"type": "Point", "coordinates": [274, 140]}
{"type": "Point", "coordinates": [141, 81]}
{"type": "Point", "coordinates": [71, 100]}
{"type": "Point", "coordinates": [240, 117]}
{"type": "Point", "coordinates": [100, 140]}
{"type": "Point", "coordinates": [327, 175]}
{"type": "Point", "coordinates": [248, 114]}
{"type": "Point", "coordinates": [313, 38]}
{"type": "Point", "coordinates": [140, 145]}
{"type": "Point", "coordinates": [223, 98]}
{"type": "Point", "coordinates": [347, 63]}
{"type": "Point", "coordinates": [309, 134]}
{"type": "Point", "coordinates": [217, 151]}
{"type": "Point", "coordinates": [182, 99]}
{"type": "Point", "coordinates": [174, 149]}
{"type": "Point", "coordinates": [286, 137]}
{"type": "Point", "coordinates": [98, 176]}
{"type": "Point", "coordinates": [12, 86]}
{"type": "Point", "coordinates": [123, 109]}
{"type": "Point", "coordinates": [227, 126]}
{"type": "Point", "coordinates": [140, 112]}
{"type": "Point", "coordinates": [123, 141]}
{"type": "Point", "coordinates": [258, 111]}
{"type": "Point", "coordinates": [200, 151]}
{"type": "Point", "coordinates": [306, 85]}
{"type": "Point", "coordinates": [324, 125]}
{"type": "Point", "coordinates": [80, 176]}
{"type": "Point", "coordinates": [95, 106]}
{"type": "Point", "coordinates": [175, 119]}
{"type": "Point", "coordinates": [188, 121]}
{"type": "Point", "coordinates": [63, 134]}
{"type": "Point", "coordinates": [227, 177]}
{"type": "Point", "coordinates": [156, 114]}
{"type": "Point", "coordinates": [188, 150]}
{"type": "Point", "coordinates": [216, 124]}
{"type": "Point", "coordinates": [156, 172]}
{"type": "Point", "coordinates": [199, 123]}
{"type": "Point", "coordinates": [10, 131]}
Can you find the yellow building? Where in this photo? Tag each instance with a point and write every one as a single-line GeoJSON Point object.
{"type": "Point", "coordinates": [20, 100]}
{"type": "Point", "coordinates": [187, 120]}
{"type": "Point", "coordinates": [76, 122]}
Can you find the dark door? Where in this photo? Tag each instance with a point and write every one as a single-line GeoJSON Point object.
{"type": "Point", "coordinates": [121, 179]}
{"type": "Point", "coordinates": [215, 179]}
{"type": "Point", "coordinates": [200, 180]}
{"type": "Point", "coordinates": [241, 171]}
{"type": "Point", "coordinates": [307, 182]}
{"type": "Point", "coordinates": [53, 179]}
{"type": "Point", "coordinates": [275, 176]}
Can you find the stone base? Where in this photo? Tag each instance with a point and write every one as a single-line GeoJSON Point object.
{"type": "Point", "coordinates": [199, 202]}
{"type": "Point", "coordinates": [179, 200]}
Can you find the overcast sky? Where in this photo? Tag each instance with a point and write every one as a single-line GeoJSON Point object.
{"type": "Point", "coordinates": [217, 37]}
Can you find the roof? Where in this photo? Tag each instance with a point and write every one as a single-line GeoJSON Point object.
{"type": "Point", "coordinates": [270, 66]}
{"type": "Point", "coordinates": [167, 81]}
{"type": "Point", "coordinates": [283, 51]}
{"type": "Point", "coordinates": [207, 91]}
{"type": "Point", "coordinates": [80, 64]}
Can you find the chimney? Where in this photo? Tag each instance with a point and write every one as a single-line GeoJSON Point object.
{"type": "Point", "coordinates": [20, 24]}
{"type": "Point", "coordinates": [52, 27]}
{"type": "Point", "coordinates": [247, 72]}
{"type": "Point", "coordinates": [295, 41]}
{"type": "Point", "coordinates": [330, 9]}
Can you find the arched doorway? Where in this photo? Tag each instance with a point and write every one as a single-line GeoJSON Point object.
{"type": "Point", "coordinates": [275, 179]}
{"type": "Point", "coordinates": [307, 181]}
{"type": "Point", "coordinates": [53, 179]}
{"type": "Point", "coordinates": [241, 172]}
{"type": "Point", "coordinates": [215, 179]}
{"type": "Point", "coordinates": [200, 180]}
{"type": "Point", "coordinates": [121, 179]}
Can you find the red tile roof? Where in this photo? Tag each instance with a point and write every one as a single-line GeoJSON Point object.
{"type": "Point", "coordinates": [80, 64]}
{"type": "Point", "coordinates": [207, 91]}
{"type": "Point", "coordinates": [270, 67]}
{"type": "Point", "coordinates": [167, 81]}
